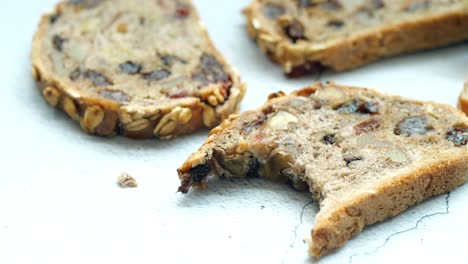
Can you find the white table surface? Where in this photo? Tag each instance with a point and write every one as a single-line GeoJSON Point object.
{"type": "Point", "coordinates": [59, 202]}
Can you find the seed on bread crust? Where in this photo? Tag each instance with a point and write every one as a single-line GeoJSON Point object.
{"type": "Point", "coordinates": [51, 95]}
{"type": "Point", "coordinates": [70, 108]}
{"type": "Point", "coordinates": [93, 117]}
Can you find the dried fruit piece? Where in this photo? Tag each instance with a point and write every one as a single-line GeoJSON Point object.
{"type": "Point", "coordinates": [53, 18]}
{"type": "Point", "coordinates": [182, 10]}
{"type": "Point", "coordinates": [358, 106]}
{"type": "Point", "coordinates": [310, 67]}
{"type": "Point", "coordinates": [210, 70]}
{"type": "Point", "coordinates": [295, 31]}
{"type": "Point", "coordinates": [416, 125]}
{"type": "Point", "coordinates": [367, 126]}
{"type": "Point", "coordinates": [351, 159]}
{"type": "Point", "coordinates": [117, 96]}
{"type": "Point", "coordinates": [130, 67]}
{"type": "Point", "coordinates": [377, 4]}
{"type": "Point", "coordinates": [329, 139]}
{"type": "Point", "coordinates": [458, 135]}
{"type": "Point", "coordinates": [97, 78]}
{"type": "Point", "coordinates": [200, 172]}
{"type": "Point", "coordinates": [336, 23]}
{"type": "Point", "coordinates": [75, 74]}
{"type": "Point", "coordinates": [58, 41]}
{"type": "Point", "coordinates": [156, 75]}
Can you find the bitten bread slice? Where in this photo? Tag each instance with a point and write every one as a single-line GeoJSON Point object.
{"type": "Point", "coordinates": [140, 68]}
{"type": "Point", "coordinates": [365, 156]}
{"type": "Point", "coordinates": [463, 101]}
{"type": "Point", "coordinates": [307, 35]}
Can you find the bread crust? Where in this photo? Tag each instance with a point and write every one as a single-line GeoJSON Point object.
{"type": "Point", "coordinates": [104, 117]}
{"type": "Point", "coordinates": [335, 226]}
{"type": "Point", "coordinates": [359, 48]}
{"type": "Point", "coordinates": [340, 217]}
{"type": "Point", "coordinates": [463, 100]}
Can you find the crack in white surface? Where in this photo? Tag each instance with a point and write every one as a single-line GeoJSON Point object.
{"type": "Point", "coordinates": [447, 211]}
{"type": "Point", "coordinates": [301, 218]}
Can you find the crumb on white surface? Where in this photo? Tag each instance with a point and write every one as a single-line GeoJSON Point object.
{"type": "Point", "coordinates": [127, 181]}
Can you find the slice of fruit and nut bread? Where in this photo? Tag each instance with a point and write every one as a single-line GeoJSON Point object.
{"type": "Point", "coordinates": [365, 156]}
{"type": "Point", "coordinates": [463, 100]}
{"type": "Point", "coordinates": [140, 68]}
{"type": "Point", "coordinates": [307, 35]}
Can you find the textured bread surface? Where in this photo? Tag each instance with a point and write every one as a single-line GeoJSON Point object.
{"type": "Point", "coordinates": [140, 68]}
{"type": "Point", "coordinates": [363, 155]}
{"type": "Point", "coordinates": [305, 36]}
{"type": "Point", "coordinates": [463, 100]}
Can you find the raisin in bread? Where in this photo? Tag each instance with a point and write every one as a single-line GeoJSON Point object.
{"type": "Point", "coordinates": [139, 68]}
{"type": "Point", "coordinates": [307, 35]}
{"type": "Point", "coordinates": [365, 156]}
{"type": "Point", "coordinates": [463, 100]}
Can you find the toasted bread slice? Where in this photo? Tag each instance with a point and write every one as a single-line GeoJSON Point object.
{"type": "Point", "coordinates": [463, 100]}
{"type": "Point", "coordinates": [139, 68]}
{"type": "Point", "coordinates": [305, 36]}
{"type": "Point", "coordinates": [365, 156]}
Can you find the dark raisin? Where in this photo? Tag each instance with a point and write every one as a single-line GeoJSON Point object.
{"type": "Point", "coordinates": [156, 75]}
{"type": "Point", "coordinates": [377, 4]}
{"type": "Point", "coordinates": [312, 67]}
{"type": "Point", "coordinates": [58, 41]}
{"type": "Point", "coordinates": [254, 167]}
{"type": "Point", "coordinates": [352, 159]}
{"type": "Point", "coordinates": [295, 31]}
{"type": "Point", "coordinates": [53, 18]}
{"type": "Point", "coordinates": [412, 126]}
{"type": "Point", "coordinates": [330, 5]}
{"type": "Point", "coordinates": [336, 23]}
{"type": "Point", "coordinates": [182, 11]}
{"type": "Point", "coordinates": [367, 126]}
{"type": "Point", "coordinates": [97, 78]}
{"type": "Point", "coordinates": [329, 139]}
{"type": "Point", "coordinates": [210, 70]}
{"type": "Point", "coordinates": [358, 106]}
{"type": "Point", "coordinates": [130, 67]}
{"type": "Point", "coordinates": [249, 127]}
{"type": "Point", "coordinates": [458, 135]}
{"type": "Point", "coordinates": [200, 172]}
{"type": "Point", "coordinates": [75, 75]}
{"type": "Point", "coordinates": [170, 60]}
{"type": "Point", "coordinates": [417, 5]}
{"type": "Point", "coordinates": [117, 96]}
{"type": "Point", "coordinates": [273, 11]}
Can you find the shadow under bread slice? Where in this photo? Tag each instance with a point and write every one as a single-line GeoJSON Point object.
{"type": "Point", "coordinates": [140, 68]}
{"type": "Point", "coordinates": [305, 36]}
{"type": "Point", "coordinates": [364, 156]}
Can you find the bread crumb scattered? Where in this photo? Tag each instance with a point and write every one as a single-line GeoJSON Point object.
{"type": "Point", "coordinates": [127, 181]}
